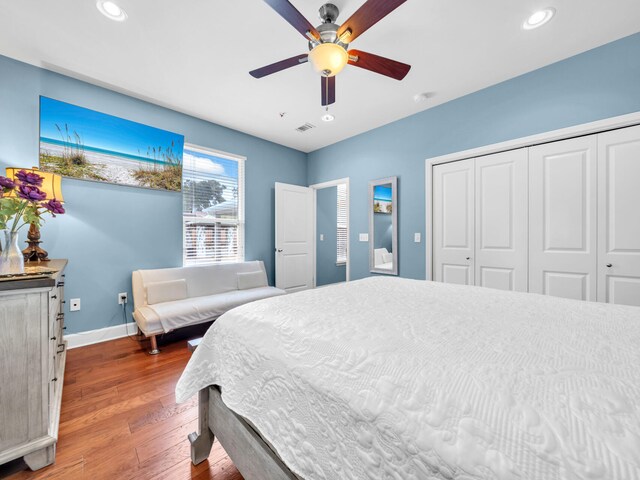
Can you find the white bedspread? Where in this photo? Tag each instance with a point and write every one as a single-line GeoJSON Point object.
{"type": "Point", "coordinates": [389, 378]}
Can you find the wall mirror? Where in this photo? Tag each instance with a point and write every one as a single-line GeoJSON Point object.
{"type": "Point", "coordinates": [383, 226]}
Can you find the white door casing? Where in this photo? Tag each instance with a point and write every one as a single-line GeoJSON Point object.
{"type": "Point", "coordinates": [563, 222]}
{"type": "Point", "coordinates": [619, 216]}
{"type": "Point", "coordinates": [294, 229]}
{"type": "Point", "coordinates": [453, 222]}
{"type": "Point", "coordinates": [501, 220]}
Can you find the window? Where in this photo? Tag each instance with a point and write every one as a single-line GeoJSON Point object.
{"type": "Point", "coordinates": [343, 221]}
{"type": "Point", "coordinates": [213, 207]}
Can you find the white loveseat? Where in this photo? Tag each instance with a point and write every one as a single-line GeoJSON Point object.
{"type": "Point", "coordinates": [170, 298]}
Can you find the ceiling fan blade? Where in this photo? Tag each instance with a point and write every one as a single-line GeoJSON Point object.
{"type": "Point", "coordinates": [287, 11]}
{"type": "Point", "coordinates": [328, 90]}
{"type": "Point", "coordinates": [278, 66]}
{"type": "Point", "coordinates": [378, 64]}
{"type": "Point", "coordinates": [370, 13]}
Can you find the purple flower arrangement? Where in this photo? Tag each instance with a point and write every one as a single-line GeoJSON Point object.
{"type": "Point", "coordinates": [22, 200]}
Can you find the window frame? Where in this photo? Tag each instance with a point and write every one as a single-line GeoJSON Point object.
{"type": "Point", "coordinates": [239, 222]}
{"type": "Point", "coordinates": [345, 226]}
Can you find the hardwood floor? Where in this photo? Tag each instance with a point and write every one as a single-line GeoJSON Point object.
{"type": "Point", "coordinates": [120, 421]}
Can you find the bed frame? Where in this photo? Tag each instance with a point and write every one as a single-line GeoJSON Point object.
{"type": "Point", "coordinates": [251, 455]}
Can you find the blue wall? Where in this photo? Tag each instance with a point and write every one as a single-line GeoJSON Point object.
{"type": "Point", "coordinates": [111, 230]}
{"type": "Point", "coordinates": [597, 84]}
{"type": "Point", "coordinates": [327, 224]}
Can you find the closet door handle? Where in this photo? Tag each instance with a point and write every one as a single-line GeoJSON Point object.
{"type": "Point", "coordinates": [609, 265]}
{"type": "Point", "coordinates": [468, 258]}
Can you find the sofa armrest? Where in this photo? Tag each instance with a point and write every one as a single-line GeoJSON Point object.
{"type": "Point", "coordinates": [138, 290]}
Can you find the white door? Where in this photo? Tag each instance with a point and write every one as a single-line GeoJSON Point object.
{"type": "Point", "coordinates": [453, 222]}
{"type": "Point", "coordinates": [294, 237]}
{"type": "Point", "coordinates": [501, 225]}
{"type": "Point", "coordinates": [562, 218]}
{"type": "Point", "coordinates": [619, 216]}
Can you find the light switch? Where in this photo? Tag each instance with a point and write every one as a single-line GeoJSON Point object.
{"type": "Point", "coordinates": [416, 237]}
{"type": "Point", "coordinates": [322, 237]}
{"type": "Point", "coordinates": [364, 237]}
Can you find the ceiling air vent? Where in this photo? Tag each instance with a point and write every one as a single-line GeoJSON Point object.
{"type": "Point", "coordinates": [305, 127]}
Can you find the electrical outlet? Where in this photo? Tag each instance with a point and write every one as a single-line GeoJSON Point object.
{"type": "Point", "coordinates": [122, 298]}
{"type": "Point", "coordinates": [417, 237]}
{"type": "Point", "coordinates": [74, 304]}
{"type": "Point", "coordinates": [364, 237]}
{"type": "Point", "coordinates": [322, 237]}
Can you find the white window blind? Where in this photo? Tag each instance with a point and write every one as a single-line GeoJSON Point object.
{"type": "Point", "coordinates": [213, 207]}
{"type": "Point", "coordinates": [341, 256]}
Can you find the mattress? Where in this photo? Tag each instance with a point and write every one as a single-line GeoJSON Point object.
{"type": "Point", "coordinates": [390, 378]}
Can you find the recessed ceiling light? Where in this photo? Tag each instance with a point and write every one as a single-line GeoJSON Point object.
{"type": "Point", "coordinates": [539, 18]}
{"type": "Point", "coordinates": [327, 117]}
{"type": "Point", "coordinates": [111, 10]}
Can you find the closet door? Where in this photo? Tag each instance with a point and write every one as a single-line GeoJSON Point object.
{"type": "Point", "coordinates": [501, 225]}
{"type": "Point", "coordinates": [453, 222]}
{"type": "Point", "coordinates": [562, 218]}
{"type": "Point", "coordinates": [619, 216]}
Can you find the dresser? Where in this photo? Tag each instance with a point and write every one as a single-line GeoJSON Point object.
{"type": "Point", "coordinates": [32, 359]}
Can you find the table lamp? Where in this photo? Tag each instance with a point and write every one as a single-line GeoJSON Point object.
{"type": "Point", "coordinates": [52, 186]}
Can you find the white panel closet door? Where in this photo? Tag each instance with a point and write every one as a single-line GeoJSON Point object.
{"type": "Point", "coordinates": [501, 224]}
{"type": "Point", "coordinates": [619, 216]}
{"type": "Point", "coordinates": [562, 218]}
{"type": "Point", "coordinates": [453, 222]}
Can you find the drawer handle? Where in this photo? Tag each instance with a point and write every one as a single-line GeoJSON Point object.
{"type": "Point", "coordinates": [64, 328]}
{"type": "Point", "coordinates": [609, 265]}
{"type": "Point", "coordinates": [63, 301]}
{"type": "Point", "coordinates": [53, 338]}
{"type": "Point", "coordinates": [54, 379]}
{"type": "Point", "coordinates": [53, 297]}
{"type": "Point", "coordinates": [62, 349]}
{"type": "Point", "coordinates": [60, 284]}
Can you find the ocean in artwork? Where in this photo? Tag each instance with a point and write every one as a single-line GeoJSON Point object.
{"type": "Point", "coordinates": [382, 199]}
{"type": "Point", "coordinates": [80, 143]}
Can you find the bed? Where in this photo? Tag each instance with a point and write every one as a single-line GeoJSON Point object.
{"type": "Point", "coordinates": [390, 378]}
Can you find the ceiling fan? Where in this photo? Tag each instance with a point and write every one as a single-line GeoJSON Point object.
{"type": "Point", "coordinates": [329, 43]}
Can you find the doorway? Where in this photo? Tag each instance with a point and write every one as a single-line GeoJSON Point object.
{"type": "Point", "coordinates": [331, 232]}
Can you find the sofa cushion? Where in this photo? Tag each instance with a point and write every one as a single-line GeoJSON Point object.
{"type": "Point", "coordinates": [190, 311]}
{"type": "Point", "coordinates": [247, 280]}
{"type": "Point", "coordinates": [201, 280]}
{"type": "Point", "coordinates": [159, 292]}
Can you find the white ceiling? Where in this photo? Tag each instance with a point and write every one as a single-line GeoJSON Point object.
{"type": "Point", "coordinates": [194, 56]}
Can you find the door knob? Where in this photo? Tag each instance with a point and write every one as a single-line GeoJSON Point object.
{"type": "Point", "coordinates": [279, 250]}
{"type": "Point", "coordinates": [468, 258]}
{"type": "Point", "coordinates": [609, 265]}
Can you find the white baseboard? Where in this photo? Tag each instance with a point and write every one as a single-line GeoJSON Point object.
{"type": "Point", "coordinates": [82, 339]}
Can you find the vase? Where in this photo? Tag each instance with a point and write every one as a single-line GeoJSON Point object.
{"type": "Point", "coordinates": [11, 258]}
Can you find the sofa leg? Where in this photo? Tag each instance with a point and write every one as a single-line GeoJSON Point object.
{"type": "Point", "coordinates": [154, 346]}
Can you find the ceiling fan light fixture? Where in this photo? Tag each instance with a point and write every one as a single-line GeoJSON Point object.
{"type": "Point", "coordinates": [539, 18]}
{"type": "Point", "coordinates": [327, 117]}
{"type": "Point", "coordinates": [328, 59]}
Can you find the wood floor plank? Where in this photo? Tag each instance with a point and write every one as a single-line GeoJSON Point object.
{"type": "Point", "coordinates": [119, 419]}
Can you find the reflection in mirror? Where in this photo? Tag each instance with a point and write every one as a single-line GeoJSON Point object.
{"type": "Point", "coordinates": [383, 236]}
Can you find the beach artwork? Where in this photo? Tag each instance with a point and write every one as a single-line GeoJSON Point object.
{"type": "Point", "coordinates": [80, 143]}
{"type": "Point", "coordinates": [382, 199]}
